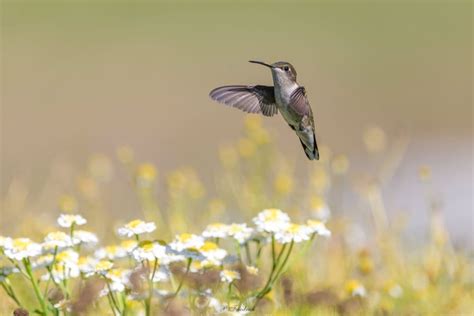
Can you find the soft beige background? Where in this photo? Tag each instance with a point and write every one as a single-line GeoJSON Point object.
{"type": "Point", "coordinates": [85, 77]}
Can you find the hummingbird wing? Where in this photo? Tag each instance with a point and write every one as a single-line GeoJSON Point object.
{"type": "Point", "coordinates": [299, 104]}
{"type": "Point", "coordinates": [251, 99]}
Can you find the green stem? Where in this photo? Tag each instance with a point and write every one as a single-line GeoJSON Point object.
{"type": "Point", "coordinates": [150, 289]}
{"type": "Point", "coordinates": [114, 301]}
{"type": "Point", "coordinates": [274, 273]}
{"type": "Point", "coordinates": [247, 251]}
{"type": "Point", "coordinates": [280, 270]}
{"type": "Point", "coordinates": [39, 297]}
{"type": "Point", "coordinates": [184, 276]}
{"type": "Point", "coordinates": [10, 292]}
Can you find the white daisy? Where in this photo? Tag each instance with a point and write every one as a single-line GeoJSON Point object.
{"type": "Point", "coordinates": [67, 220]}
{"type": "Point", "coordinates": [229, 276]}
{"type": "Point", "coordinates": [136, 227]}
{"type": "Point", "coordinates": [102, 266]}
{"type": "Point", "coordinates": [85, 237]}
{"type": "Point", "coordinates": [271, 220]}
{"type": "Point", "coordinates": [149, 251]}
{"type": "Point", "coordinates": [87, 265]}
{"type": "Point", "coordinates": [57, 240]}
{"type": "Point", "coordinates": [20, 248]}
{"type": "Point", "coordinates": [293, 232]}
{"type": "Point", "coordinates": [216, 230]}
{"type": "Point", "coordinates": [212, 253]}
{"type": "Point", "coordinates": [240, 232]}
{"type": "Point", "coordinates": [318, 228]}
{"type": "Point", "coordinates": [111, 252]}
{"type": "Point", "coordinates": [186, 241]}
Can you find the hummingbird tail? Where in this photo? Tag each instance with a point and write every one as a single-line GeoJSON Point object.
{"type": "Point", "coordinates": [308, 141]}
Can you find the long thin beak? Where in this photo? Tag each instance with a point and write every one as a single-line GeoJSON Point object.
{"type": "Point", "coordinates": [260, 62]}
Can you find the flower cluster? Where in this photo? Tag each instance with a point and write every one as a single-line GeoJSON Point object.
{"type": "Point", "coordinates": [137, 263]}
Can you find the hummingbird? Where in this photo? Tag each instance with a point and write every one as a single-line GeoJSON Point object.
{"type": "Point", "coordinates": [286, 96]}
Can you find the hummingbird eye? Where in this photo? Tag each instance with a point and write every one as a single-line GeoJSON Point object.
{"type": "Point", "coordinates": [286, 68]}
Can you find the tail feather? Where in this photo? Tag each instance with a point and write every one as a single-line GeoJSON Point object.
{"type": "Point", "coordinates": [308, 141]}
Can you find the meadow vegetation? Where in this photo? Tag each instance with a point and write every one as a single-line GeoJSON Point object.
{"type": "Point", "coordinates": [260, 239]}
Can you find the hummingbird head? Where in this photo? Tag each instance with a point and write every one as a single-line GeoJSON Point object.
{"type": "Point", "coordinates": [282, 71]}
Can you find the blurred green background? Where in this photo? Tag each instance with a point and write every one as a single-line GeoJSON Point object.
{"type": "Point", "coordinates": [83, 77]}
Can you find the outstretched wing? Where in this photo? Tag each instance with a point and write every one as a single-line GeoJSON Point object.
{"type": "Point", "coordinates": [299, 104]}
{"type": "Point", "coordinates": [251, 99]}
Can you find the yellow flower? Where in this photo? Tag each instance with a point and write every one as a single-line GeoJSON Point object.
{"type": "Point", "coordinates": [68, 204]}
{"type": "Point", "coordinates": [228, 156]}
{"type": "Point", "coordinates": [355, 288]}
{"type": "Point", "coordinates": [246, 148]}
{"type": "Point", "coordinates": [340, 164]}
{"type": "Point", "coordinates": [283, 183]}
{"type": "Point", "coordinates": [374, 139]}
{"type": "Point", "coordinates": [320, 179]}
{"type": "Point", "coordinates": [125, 154]}
{"type": "Point", "coordinates": [146, 174]}
{"type": "Point", "coordinates": [425, 173]}
{"type": "Point", "coordinates": [100, 167]}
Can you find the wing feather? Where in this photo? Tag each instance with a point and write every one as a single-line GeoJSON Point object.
{"type": "Point", "coordinates": [251, 99]}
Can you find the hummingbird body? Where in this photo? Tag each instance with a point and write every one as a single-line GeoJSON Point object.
{"type": "Point", "coordinates": [286, 96]}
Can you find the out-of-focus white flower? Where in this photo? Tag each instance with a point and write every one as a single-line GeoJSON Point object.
{"type": "Point", "coordinates": [64, 266]}
{"type": "Point", "coordinates": [84, 237]}
{"type": "Point", "coordinates": [187, 241]}
{"type": "Point", "coordinates": [229, 276]}
{"type": "Point", "coordinates": [68, 258]}
{"type": "Point", "coordinates": [149, 250]}
{"type": "Point", "coordinates": [320, 209]}
{"type": "Point", "coordinates": [293, 232]}
{"type": "Point", "coordinates": [6, 271]}
{"type": "Point", "coordinates": [162, 274]}
{"type": "Point", "coordinates": [129, 245]}
{"type": "Point", "coordinates": [240, 232]}
{"type": "Point", "coordinates": [61, 272]}
{"type": "Point", "coordinates": [271, 220]}
{"type": "Point", "coordinates": [217, 305]}
{"type": "Point", "coordinates": [5, 242]}
{"type": "Point", "coordinates": [87, 265]}
{"type": "Point", "coordinates": [318, 228]}
{"type": "Point", "coordinates": [212, 253]}
{"type": "Point", "coordinates": [252, 270]}
{"type": "Point", "coordinates": [118, 279]}
{"type": "Point", "coordinates": [57, 240]}
{"type": "Point", "coordinates": [103, 266]}
{"type": "Point", "coordinates": [355, 288]}
{"type": "Point", "coordinates": [111, 252]}
{"type": "Point", "coordinates": [21, 248]}
{"type": "Point", "coordinates": [43, 261]}
{"type": "Point", "coordinates": [67, 220]}
{"type": "Point", "coordinates": [216, 230]}
{"type": "Point", "coordinates": [136, 227]}
{"type": "Point", "coordinates": [394, 290]}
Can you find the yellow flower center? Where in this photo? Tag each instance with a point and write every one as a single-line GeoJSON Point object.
{"type": "Point", "coordinates": [209, 246]}
{"type": "Point", "coordinates": [135, 223]}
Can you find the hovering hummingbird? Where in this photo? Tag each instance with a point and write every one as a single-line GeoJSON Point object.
{"type": "Point", "coordinates": [286, 96]}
